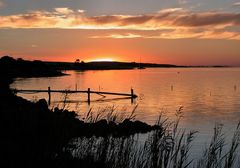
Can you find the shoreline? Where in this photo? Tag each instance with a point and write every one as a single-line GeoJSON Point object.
{"type": "Point", "coordinates": [50, 130]}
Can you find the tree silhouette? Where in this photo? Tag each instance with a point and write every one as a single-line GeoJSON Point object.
{"type": "Point", "coordinates": [77, 61]}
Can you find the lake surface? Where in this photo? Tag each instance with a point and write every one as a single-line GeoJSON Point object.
{"type": "Point", "coordinates": [207, 95]}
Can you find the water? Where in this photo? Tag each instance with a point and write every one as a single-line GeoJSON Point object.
{"type": "Point", "coordinates": [207, 95]}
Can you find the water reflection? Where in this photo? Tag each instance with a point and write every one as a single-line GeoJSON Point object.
{"type": "Point", "coordinates": [207, 94]}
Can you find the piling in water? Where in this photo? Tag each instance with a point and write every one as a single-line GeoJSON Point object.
{"type": "Point", "coordinates": [49, 95]}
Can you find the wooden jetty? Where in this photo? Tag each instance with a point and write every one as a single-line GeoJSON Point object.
{"type": "Point", "coordinates": [89, 92]}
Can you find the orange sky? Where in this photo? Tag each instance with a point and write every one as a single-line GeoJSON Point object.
{"type": "Point", "coordinates": [68, 45]}
{"type": "Point", "coordinates": [176, 35]}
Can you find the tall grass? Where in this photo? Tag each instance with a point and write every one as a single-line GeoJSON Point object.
{"type": "Point", "coordinates": [167, 147]}
{"type": "Point", "coordinates": [109, 113]}
{"type": "Point", "coordinates": [214, 157]}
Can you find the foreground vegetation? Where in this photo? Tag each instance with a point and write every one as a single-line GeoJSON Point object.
{"type": "Point", "coordinates": [167, 147]}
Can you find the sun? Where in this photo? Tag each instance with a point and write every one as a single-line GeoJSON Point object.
{"type": "Point", "coordinates": [102, 60]}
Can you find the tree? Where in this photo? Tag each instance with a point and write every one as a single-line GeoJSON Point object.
{"type": "Point", "coordinates": [77, 61]}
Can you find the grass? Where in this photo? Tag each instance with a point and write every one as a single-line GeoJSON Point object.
{"type": "Point", "coordinates": [214, 157]}
{"type": "Point", "coordinates": [168, 147]}
{"type": "Point", "coordinates": [110, 113]}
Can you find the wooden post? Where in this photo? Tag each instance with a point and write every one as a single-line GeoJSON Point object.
{"type": "Point", "coordinates": [89, 96]}
{"type": "Point", "coordinates": [132, 95]}
{"type": "Point", "coordinates": [49, 95]}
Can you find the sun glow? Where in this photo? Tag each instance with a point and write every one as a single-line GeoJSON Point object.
{"type": "Point", "coordinates": [102, 60]}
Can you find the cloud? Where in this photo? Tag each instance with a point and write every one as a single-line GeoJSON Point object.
{"type": "Point", "coordinates": [120, 36]}
{"type": "Point", "coordinates": [183, 23]}
{"type": "Point", "coordinates": [2, 4]}
{"type": "Point", "coordinates": [178, 34]}
{"type": "Point", "coordinates": [237, 4]}
{"type": "Point", "coordinates": [182, 1]}
{"type": "Point", "coordinates": [171, 18]}
{"type": "Point", "coordinates": [208, 19]}
{"type": "Point", "coordinates": [171, 10]}
{"type": "Point", "coordinates": [63, 10]}
{"type": "Point", "coordinates": [81, 11]}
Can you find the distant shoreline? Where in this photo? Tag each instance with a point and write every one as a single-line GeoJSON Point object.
{"type": "Point", "coordinates": [119, 65]}
{"type": "Point", "coordinates": [19, 68]}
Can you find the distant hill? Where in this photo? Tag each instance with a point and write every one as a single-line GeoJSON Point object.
{"type": "Point", "coordinates": [104, 65]}
{"type": "Point", "coordinates": [23, 68]}
{"type": "Point", "coordinates": [10, 67]}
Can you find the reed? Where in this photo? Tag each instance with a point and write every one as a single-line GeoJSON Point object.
{"type": "Point", "coordinates": [168, 147]}
{"type": "Point", "coordinates": [165, 147]}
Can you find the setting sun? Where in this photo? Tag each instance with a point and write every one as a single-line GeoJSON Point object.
{"type": "Point", "coordinates": [102, 60]}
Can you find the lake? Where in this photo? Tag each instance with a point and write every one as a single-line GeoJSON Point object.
{"type": "Point", "coordinates": [207, 95]}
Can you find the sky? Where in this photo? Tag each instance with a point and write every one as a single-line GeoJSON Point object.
{"type": "Point", "coordinates": [181, 32]}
